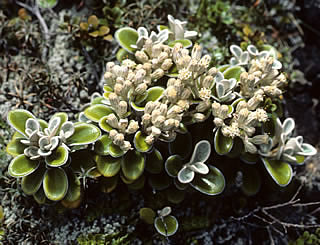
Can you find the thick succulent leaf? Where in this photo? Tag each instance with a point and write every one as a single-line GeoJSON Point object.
{"type": "Point", "coordinates": [115, 151]}
{"type": "Point", "coordinates": [236, 50]}
{"type": "Point", "coordinates": [140, 142]}
{"type": "Point", "coordinates": [18, 118]}
{"type": "Point", "coordinates": [104, 125]}
{"type": "Point", "coordinates": [233, 72]}
{"type": "Point", "coordinates": [272, 51]}
{"type": "Point", "coordinates": [22, 166]}
{"type": "Point", "coordinates": [108, 184]}
{"type": "Point", "coordinates": [201, 152]}
{"type": "Point", "coordinates": [166, 226]}
{"type": "Point", "coordinates": [154, 93]}
{"type": "Point", "coordinates": [63, 118]}
{"type": "Point", "coordinates": [136, 107]}
{"type": "Point", "coordinates": [223, 67]}
{"type": "Point", "coordinates": [182, 145]}
{"type": "Point", "coordinates": [220, 90]}
{"type": "Point", "coordinates": [186, 175]}
{"type": "Point", "coordinates": [199, 167]}
{"type": "Point", "coordinates": [137, 184]}
{"type": "Point", "coordinates": [307, 150]}
{"type": "Point", "coordinates": [174, 195]}
{"type": "Point", "coordinates": [39, 196]}
{"type": "Point", "coordinates": [133, 164]}
{"type": "Point", "coordinates": [147, 215]}
{"type": "Point", "coordinates": [185, 42]}
{"type": "Point", "coordinates": [173, 165]}
{"type": "Point", "coordinates": [73, 197]}
{"type": "Point", "coordinates": [154, 162]}
{"type": "Point", "coordinates": [222, 144]}
{"type": "Point", "coordinates": [82, 160]}
{"type": "Point", "coordinates": [58, 157]}
{"type": "Point", "coordinates": [159, 182]}
{"type": "Point", "coordinates": [84, 134]}
{"type": "Point", "coordinates": [211, 184]}
{"type": "Point", "coordinates": [251, 182]}
{"type": "Point", "coordinates": [123, 54]}
{"type": "Point", "coordinates": [54, 125]}
{"type": "Point", "coordinates": [101, 146]}
{"type": "Point", "coordinates": [97, 111]}
{"type": "Point", "coordinates": [108, 166]}
{"type": "Point", "coordinates": [252, 50]}
{"type": "Point", "coordinates": [140, 98]}
{"type": "Point", "coordinates": [31, 183]}
{"type": "Point", "coordinates": [288, 126]}
{"type": "Point", "coordinates": [55, 184]}
{"type": "Point", "coordinates": [281, 172]}
{"type": "Point", "coordinates": [179, 185]}
{"type": "Point", "coordinates": [125, 180]}
{"type": "Point", "coordinates": [15, 147]}
{"type": "Point", "coordinates": [126, 37]}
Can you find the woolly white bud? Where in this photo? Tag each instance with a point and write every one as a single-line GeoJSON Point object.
{"type": "Point", "coordinates": [157, 74]}
{"type": "Point", "coordinates": [142, 56]}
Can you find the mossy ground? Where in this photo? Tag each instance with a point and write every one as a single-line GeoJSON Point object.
{"type": "Point", "coordinates": [61, 73]}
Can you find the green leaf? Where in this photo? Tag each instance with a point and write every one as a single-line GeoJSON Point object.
{"type": "Point", "coordinates": [174, 195]}
{"type": "Point", "coordinates": [136, 107]}
{"type": "Point", "coordinates": [45, 4]}
{"type": "Point", "coordinates": [173, 165]}
{"type": "Point", "coordinates": [186, 175]}
{"type": "Point", "coordinates": [140, 142]}
{"type": "Point", "coordinates": [211, 184]}
{"type": "Point", "coordinates": [15, 148]}
{"type": "Point", "coordinates": [108, 166]}
{"type": "Point", "coordinates": [84, 134]}
{"type": "Point", "coordinates": [55, 184]}
{"type": "Point", "coordinates": [39, 196]}
{"type": "Point", "coordinates": [63, 117]}
{"type": "Point", "coordinates": [74, 191]}
{"type": "Point", "coordinates": [101, 146]}
{"type": "Point", "coordinates": [222, 144]}
{"type": "Point", "coordinates": [154, 162]}
{"type": "Point", "coordinates": [182, 146]}
{"type": "Point", "coordinates": [202, 151]}
{"type": "Point", "coordinates": [273, 52]}
{"type": "Point", "coordinates": [108, 184]}
{"type": "Point", "coordinates": [154, 93]}
{"type": "Point", "coordinates": [137, 184]}
{"type": "Point", "coordinates": [104, 125]}
{"type": "Point", "coordinates": [22, 166]}
{"type": "Point", "coordinates": [17, 119]}
{"type": "Point", "coordinates": [185, 42]}
{"type": "Point", "coordinates": [82, 160]}
{"type": "Point", "coordinates": [281, 172]}
{"type": "Point", "coordinates": [166, 226]}
{"type": "Point", "coordinates": [31, 183]}
{"type": "Point", "coordinates": [123, 54]}
{"type": "Point", "coordinates": [147, 215]}
{"type": "Point", "coordinates": [97, 111]}
{"type": "Point", "coordinates": [58, 157]}
{"type": "Point", "coordinates": [233, 72]}
{"type": "Point", "coordinates": [223, 67]}
{"type": "Point", "coordinates": [115, 151]}
{"type": "Point", "coordinates": [251, 182]}
{"type": "Point", "coordinates": [133, 165]}
{"type": "Point", "coordinates": [126, 37]}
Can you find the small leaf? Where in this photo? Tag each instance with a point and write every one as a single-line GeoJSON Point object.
{"type": "Point", "coordinates": [140, 142]}
{"type": "Point", "coordinates": [222, 144]}
{"type": "Point", "coordinates": [166, 226]}
{"type": "Point", "coordinates": [18, 118]}
{"type": "Point", "coordinates": [103, 30]}
{"type": "Point", "coordinates": [307, 150]}
{"type": "Point", "coordinates": [136, 107]}
{"type": "Point", "coordinates": [147, 215]}
{"type": "Point", "coordinates": [223, 68]}
{"type": "Point", "coordinates": [173, 165]}
{"type": "Point", "coordinates": [154, 162]}
{"type": "Point", "coordinates": [201, 152]}
{"type": "Point", "coordinates": [126, 37]}
{"type": "Point", "coordinates": [101, 146]}
{"type": "Point", "coordinates": [104, 125]}
{"type": "Point", "coordinates": [186, 175]}
{"type": "Point", "coordinates": [84, 26]}
{"type": "Point", "coordinates": [199, 167]}
{"type": "Point", "coordinates": [236, 50]}
{"type": "Point", "coordinates": [115, 151]}
{"type": "Point", "coordinates": [185, 42]}
{"type": "Point", "coordinates": [108, 166]}
{"type": "Point", "coordinates": [55, 184]}
{"type": "Point", "coordinates": [93, 21]}
{"type": "Point", "coordinates": [288, 126]}
{"type": "Point", "coordinates": [138, 184]}
{"type": "Point", "coordinates": [94, 33]}
{"type": "Point", "coordinates": [22, 166]}
{"type": "Point", "coordinates": [31, 183]}
{"type": "Point", "coordinates": [45, 4]}
{"type": "Point", "coordinates": [39, 196]}
{"type": "Point", "coordinates": [84, 134]}
{"type": "Point", "coordinates": [233, 72]}
{"type": "Point", "coordinates": [123, 54]}
{"type": "Point", "coordinates": [281, 172]}
{"type": "Point", "coordinates": [154, 93]}
{"type": "Point", "coordinates": [73, 197]}
{"type": "Point", "coordinates": [58, 157]}
{"type": "Point", "coordinates": [133, 165]}
{"type": "Point", "coordinates": [211, 184]}
{"type": "Point", "coordinates": [97, 111]}
{"type": "Point", "coordinates": [63, 118]}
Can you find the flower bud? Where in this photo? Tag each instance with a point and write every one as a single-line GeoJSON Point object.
{"type": "Point", "coordinates": [113, 133]}
{"type": "Point", "coordinates": [112, 120]}
{"type": "Point", "coordinates": [126, 146]}
{"type": "Point", "coordinates": [133, 127]}
{"type": "Point", "coordinates": [150, 139]}
{"type": "Point", "coordinates": [213, 71]}
{"type": "Point", "coordinates": [146, 119]}
{"type": "Point", "coordinates": [166, 65]}
{"type": "Point", "coordinates": [196, 52]}
{"type": "Point", "coordinates": [198, 117]}
{"type": "Point", "coordinates": [141, 88]}
{"type": "Point", "coordinates": [157, 74]}
{"type": "Point", "coordinates": [218, 122]}
{"type": "Point", "coordinates": [142, 56]}
{"type": "Point", "coordinates": [122, 108]}
{"type": "Point", "coordinates": [118, 139]}
{"type": "Point", "coordinates": [109, 66]}
{"type": "Point", "coordinates": [149, 107]}
{"type": "Point", "coordinates": [155, 131]}
{"type": "Point", "coordinates": [208, 82]}
{"type": "Point", "coordinates": [158, 121]}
